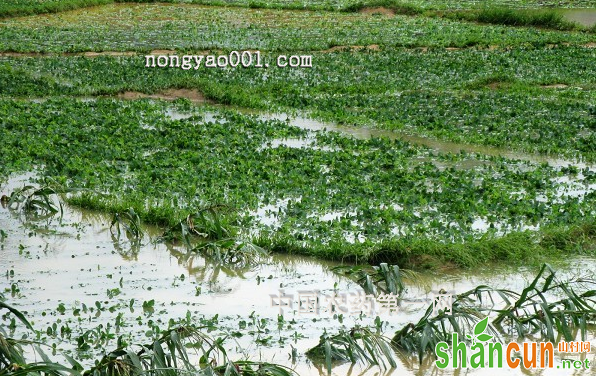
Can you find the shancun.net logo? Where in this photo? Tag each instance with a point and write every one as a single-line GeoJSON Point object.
{"type": "Point", "coordinates": [485, 354]}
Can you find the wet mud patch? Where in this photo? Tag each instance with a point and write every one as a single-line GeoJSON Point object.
{"type": "Point", "coordinates": [169, 95]}
{"type": "Point", "coordinates": [555, 86]}
{"type": "Point", "coordinates": [107, 53]}
{"type": "Point", "coordinates": [498, 85]}
{"type": "Point", "coordinates": [68, 54]}
{"type": "Point", "coordinates": [372, 47]}
{"type": "Point", "coordinates": [162, 52]}
{"type": "Point", "coordinates": [378, 10]}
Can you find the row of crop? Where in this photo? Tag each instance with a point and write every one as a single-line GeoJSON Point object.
{"type": "Point", "coordinates": [144, 28]}
{"type": "Point", "coordinates": [503, 12]}
{"type": "Point", "coordinates": [496, 99]}
{"type": "Point", "coordinates": [343, 188]}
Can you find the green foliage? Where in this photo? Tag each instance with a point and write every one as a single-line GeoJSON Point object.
{"type": "Point", "coordinates": [164, 172]}
{"type": "Point", "coordinates": [36, 203]}
{"type": "Point", "coordinates": [26, 7]}
{"type": "Point", "coordinates": [467, 314]}
{"type": "Point", "coordinates": [12, 358]}
{"type": "Point", "coordinates": [142, 29]}
{"type": "Point", "coordinates": [547, 307]}
{"type": "Point", "coordinates": [387, 279]}
{"type": "Point", "coordinates": [356, 344]}
{"type": "Point", "coordinates": [130, 222]}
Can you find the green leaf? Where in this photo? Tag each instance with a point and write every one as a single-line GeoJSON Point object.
{"type": "Point", "coordinates": [481, 326]}
{"type": "Point", "coordinates": [484, 337]}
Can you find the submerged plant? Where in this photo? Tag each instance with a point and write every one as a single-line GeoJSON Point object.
{"type": "Point", "coordinates": [206, 223]}
{"type": "Point", "coordinates": [250, 368]}
{"type": "Point", "coordinates": [573, 307]}
{"type": "Point", "coordinates": [526, 314]}
{"type": "Point", "coordinates": [387, 279]}
{"type": "Point", "coordinates": [12, 358]}
{"type": "Point", "coordinates": [36, 203]}
{"type": "Point", "coordinates": [207, 232]}
{"type": "Point", "coordinates": [168, 356]}
{"type": "Point", "coordinates": [356, 344]}
{"type": "Point", "coordinates": [130, 222]}
{"type": "Point", "coordinates": [231, 252]}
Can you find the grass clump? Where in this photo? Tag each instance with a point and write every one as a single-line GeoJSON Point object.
{"type": "Point", "coordinates": [548, 19]}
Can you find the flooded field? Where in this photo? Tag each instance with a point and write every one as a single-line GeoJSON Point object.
{"type": "Point", "coordinates": [77, 279]}
{"type": "Point", "coordinates": [418, 198]}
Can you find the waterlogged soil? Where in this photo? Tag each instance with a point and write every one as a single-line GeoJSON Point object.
{"type": "Point", "coordinates": [75, 278]}
{"type": "Point", "coordinates": [320, 204]}
{"type": "Point", "coordinates": [441, 146]}
{"type": "Point", "coordinates": [172, 94]}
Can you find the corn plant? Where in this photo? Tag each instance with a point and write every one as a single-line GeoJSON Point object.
{"type": "Point", "coordinates": [36, 203]}
{"type": "Point", "coordinates": [12, 359]}
{"type": "Point", "coordinates": [574, 307]}
{"type": "Point", "coordinates": [378, 279]}
{"type": "Point", "coordinates": [467, 310]}
{"type": "Point", "coordinates": [206, 223]}
{"type": "Point", "coordinates": [129, 222]}
{"type": "Point", "coordinates": [168, 356]}
{"type": "Point", "coordinates": [165, 356]}
{"type": "Point", "coordinates": [356, 344]}
{"type": "Point", "coordinates": [547, 307]}
{"type": "Point", "coordinates": [207, 233]}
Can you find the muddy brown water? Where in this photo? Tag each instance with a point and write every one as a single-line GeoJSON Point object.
{"type": "Point", "coordinates": [78, 260]}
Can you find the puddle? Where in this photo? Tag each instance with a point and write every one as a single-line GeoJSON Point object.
{"type": "Point", "coordinates": [269, 214]}
{"type": "Point", "coordinates": [174, 114]}
{"type": "Point", "coordinates": [435, 145]}
{"type": "Point", "coordinates": [584, 17]}
{"type": "Point", "coordinates": [107, 274]}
